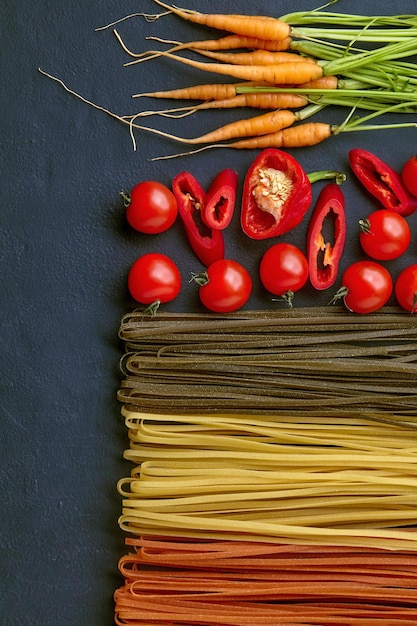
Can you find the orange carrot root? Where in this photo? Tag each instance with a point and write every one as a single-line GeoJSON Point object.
{"type": "Point", "coordinates": [214, 91]}
{"type": "Point", "coordinates": [290, 73]}
{"type": "Point", "coordinates": [229, 42]}
{"type": "Point", "coordinates": [262, 27]}
{"type": "Point", "coordinates": [301, 135]}
{"type": "Point", "coordinates": [256, 57]}
{"type": "Point", "coordinates": [254, 126]}
{"type": "Point", "coordinates": [256, 101]}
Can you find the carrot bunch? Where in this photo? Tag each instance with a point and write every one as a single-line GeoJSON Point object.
{"type": "Point", "coordinates": [285, 64]}
{"type": "Point", "coordinates": [285, 67]}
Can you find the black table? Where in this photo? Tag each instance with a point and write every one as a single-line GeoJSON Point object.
{"type": "Point", "coordinates": [66, 251]}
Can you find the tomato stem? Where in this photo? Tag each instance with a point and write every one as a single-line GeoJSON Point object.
{"type": "Point", "coordinates": [152, 308]}
{"type": "Point", "coordinates": [126, 198]}
{"type": "Point", "coordinates": [365, 227]}
{"type": "Point", "coordinates": [201, 278]}
{"type": "Point", "coordinates": [340, 293]}
{"type": "Point", "coordinates": [287, 297]}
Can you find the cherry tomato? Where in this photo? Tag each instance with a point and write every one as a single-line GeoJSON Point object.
{"type": "Point", "coordinates": [384, 235]}
{"type": "Point", "coordinates": [227, 287]}
{"type": "Point", "coordinates": [366, 286]}
{"type": "Point", "coordinates": [409, 175]}
{"type": "Point", "coordinates": [405, 288]}
{"type": "Point", "coordinates": [283, 269]}
{"type": "Point", "coordinates": [154, 277]}
{"type": "Point", "coordinates": [151, 207]}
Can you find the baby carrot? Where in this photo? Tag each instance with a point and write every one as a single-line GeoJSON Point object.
{"type": "Point", "coordinates": [269, 101]}
{"type": "Point", "coordinates": [308, 134]}
{"type": "Point", "coordinates": [245, 100]}
{"type": "Point", "coordinates": [324, 82]}
{"type": "Point", "coordinates": [230, 42]}
{"type": "Point", "coordinates": [219, 91]}
{"type": "Point", "coordinates": [255, 57]}
{"type": "Point", "coordinates": [302, 135]}
{"type": "Point", "coordinates": [253, 26]}
{"type": "Point", "coordinates": [214, 91]}
{"type": "Point", "coordinates": [258, 125]}
{"type": "Point", "coordinates": [282, 74]}
{"type": "Point", "coordinates": [256, 101]}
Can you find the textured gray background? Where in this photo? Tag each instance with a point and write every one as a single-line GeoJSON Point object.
{"type": "Point", "coordinates": [65, 251]}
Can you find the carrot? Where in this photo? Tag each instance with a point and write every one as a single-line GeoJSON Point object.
{"type": "Point", "coordinates": [324, 82]}
{"type": "Point", "coordinates": [244, 100]}
{"type": "Point", "coordinates": [282, 74]}
{"type": "Point", "coordinates": [268, 101]}
{"type": "Point", "coordinates": [214, 91]}
{"type": "Point", "coordinates": [257, 101]}
{"type": "Point", "coordinates": [220, 91]}
{"type": "Point", "coordinates": [302, 135]}
{"type": "Point", "coordinates": [258, 125]}
{"type": "Point", "coordinates": [256, 57]}
{"type": "Point", "coordinates": [229, 42]}
{"type": "Point", "coordinates": [253, 26]}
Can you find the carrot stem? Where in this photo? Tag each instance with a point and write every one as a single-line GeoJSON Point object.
{"type": "Point", "coordinates": [320, 17]}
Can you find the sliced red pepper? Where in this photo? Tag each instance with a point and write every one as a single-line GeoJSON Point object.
{"type": "Point", "coordinates": [323, 257]}
{"type": "Point", "coordinates": [276, 195]}
{"type": "Point", "coordinates": [206, 243]}
{"type": "Point", "coordinates": [382, 181]}
{"type": "Point", "coordinates": [220, 200]}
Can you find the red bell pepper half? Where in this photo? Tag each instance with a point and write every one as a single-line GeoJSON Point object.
{"type": "Point", "coordinates": [323, 257]}
{"type": "Point", "coordinates": [382, 181]}
{"type": "Point", "coordinates": [206, 243]}
{"type": "Point", "coordinates": [276, 195]}
{"type": "Point", "coordinates": [220, 200]}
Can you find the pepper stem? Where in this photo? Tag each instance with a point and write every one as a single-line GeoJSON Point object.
{"type": "Point", "coordinates": [325, 175]}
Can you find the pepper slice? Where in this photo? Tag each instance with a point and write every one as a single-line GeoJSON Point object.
{"type": "Point", "coordinates": [220, 200]}
{"type": "Point", "coordinates": [323, 256]}
{"type": "Point", "coordinates": [382, 181]}
{"type": "Point", "coordinates": [276, 195]}
{"type": "Point", "coordinates": [206, 243]}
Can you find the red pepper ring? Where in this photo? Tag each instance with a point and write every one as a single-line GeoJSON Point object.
{"type": "Point", "coordinates": [382, 181]}
{"type": "Point", "coordinates": [206, 243]}
{"type": "Point", "coordinates": [220, 200]}
{"type": "Point", "coordinates": [323, 257]}
{"type": "Point", "coordinates": [276, 195]}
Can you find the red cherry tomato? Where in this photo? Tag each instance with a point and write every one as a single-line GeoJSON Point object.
{"type": "Point", "coordinates": [283, 269]}
{"type": "Point", "coordinates": [405, 288]}
{"type": "Point", "coordinates": [366, 286]}
{"type": "Point", "coordinates": [384, 235]}
{"type": "Point", "coordinates": [228, 286]}
{"type": "Point", "coordinates": [151, 207]}
{"type": "Point", "coordinates": [154, 277]}
{"type": "Point", "coordinates": [409, 175]}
